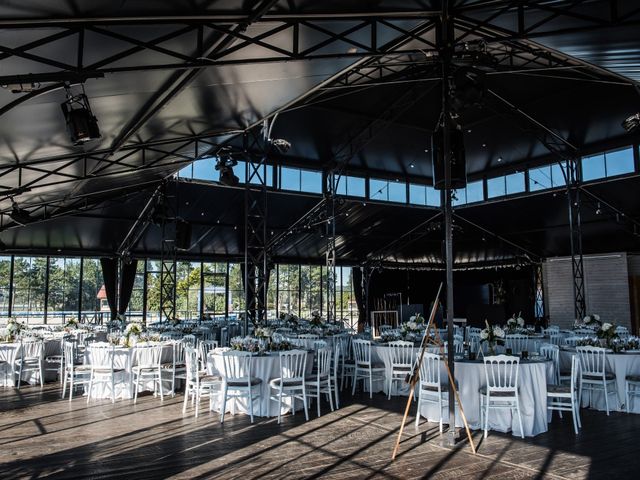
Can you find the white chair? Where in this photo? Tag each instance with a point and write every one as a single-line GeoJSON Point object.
{"type": "Point", "coordinates": [501, 390]}
{"type": "Point", "coordinates": [594, 375]}
{"type": "Point", "coordinates": [320, 381]}
{"type": "Point", "coordinates": [74, 372]}
{"type": "Point", "coordinates": [402, 357]}
{"type": "Point", "coordinates": [552, 352]}
{"type": "Point", "coordinates": [364, 368]}
{"type": "Point", "coordinates": [54, 362]}
{"type": "Point", "coordinates": [458, 345]}
{"type": "Point", "coordinates": [309, 336]}
{"type": "Point", "coordinates": [291, 383]}
{"type": "Point", "coordinates": [8, 356]}
{"type": "Point", "coordinates": [430, 388]}
{"type": "Point", "coordinates": [572, 341]}
{"type": "Point", "coordinates": [318, 344]}
{"type": "Point", "coordinates": [190, 340]}
{"type": "Point", "coordinates": [148, 368]}
{"type": "Point", "coordinates": [347, 363]}
{"type": "Point", "coordinates": [556, 339]}
{"type": "Point", "coordinates": [103, 370]}
{"type": "Point", "coordinates": [335, 371]}
{"type": "Point", "coordinates": [204, 348]}
{"type": "Point", "coordinates": [564, 398]}
{"type": "Point", "coordinates": [517, 343]}
{"type": "Point", "coordinates": [198, 384]}
{"type": "Point", "coordinates": [473, 331]}
{"type": "Point", "coordinates": [31, 359]}
{"type": "Point", "coordinates": [176, 369]}
{"type": "Point", "coordinates": [631, 389]}
{"type": "Point", "coordinates": [238, 381]}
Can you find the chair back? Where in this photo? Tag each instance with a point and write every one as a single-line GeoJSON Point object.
{"type": "Point", "coordinates": [237, 366]}
{"type": "Point", "coordinates": [337, 353]}
{"type": "Point", "coordinates": [551, 329]}
{"type": "Point", "coordinates": [383, 328]}
{"type": "Point", "coordinates": [148, 356]}
{"type": "Point", "coordinates": [362, 352]}
{"type": "Point", "coordinates": [32, 350]}
{"type": "Point", "coordinates": [401, 353]}
{"type": "Point", "coordinates": [556, 338]}
{"type": "Point", "coordinates": [318, 344]}
{"type": "Point", "coordinates": [592, 361]}
{"type": "Point", "coordinates": [517, 343]}
{"type": "Point", "coordinates": [309, 336]}
{"type": "Point", "coordinates": [170, 336]}
{"type": "Point", "coordinates": [501, 373]}
{"type": "Point", "coordinates": [430, 370]}
{"type": "Point", "coordinates": [552, 352]}
{"type": "Point", "coordinates": [190, 356]}
{"type": "Point", "coordinates": [572, 341]}
{"type": "Point", "coordinates": [205, 347]}
{"type": "Point", "coordinates": [179, 351]}
{"type": "Point", "coordinates": [323, 357]}
{"type": "Point", "coordinates": [69, 353]}
{"type": "Point", "coordinates": [474, 331]}
{"type": "Point", "coordinates": [293, 365]}
{"type": "Point", "coordinates": [224, 337]}
{"type": "Point", "coordinates": [190, 339]}
{"type": "Point", "coordinates": [102, 356]}
{"type": "Point", "coordinates": [575, 375]}
{"type": "Point", "coordinates": [10, 352]}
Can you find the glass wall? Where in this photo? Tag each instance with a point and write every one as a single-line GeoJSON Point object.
{"type": "Point", "coordinates": [29, 283]}
{"type": "Point", "coordinates": [94, 297]}
{"type": "Point", "coordinates": [64, 289]}
{"type": "Point", "coordinates": [188, 290]}
{"type": "Point", "coordinates": [5, 283]}
{"type": "Point", "coordinates": [214, 280]}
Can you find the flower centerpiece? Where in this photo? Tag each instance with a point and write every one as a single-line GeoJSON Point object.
{"type": "Point", "coordinates": [132, 329]}
{"type": "Point", "coordinates": [316, 320]}
{"type": "Point", "coordinates": [409, 330]}
{"type": "Point", "coordinates": [281, 346]}
{"type": "Point", "coordinates": [289, 319]}
{"type": "Point", "coordinates": [244, 344]}
{"type": "Point", "coordinates": [493, 336]}
{"type": "Point", "coordinates": [262, 333]}
{"type": "Point", "coordinates": [606, 333]}
{"type": "Point", "coordinates": [72, 323]}
{"type": "Point", "coordinates": [14, 327]}
{"type": "Point", "coordinates": [515, 324]}
{"type": "Point", "coordinates": [587, 342]}
{"type": "Point", "coordinates": [417, 318]}
{"type": "Point", "coordinates": [592, 320]}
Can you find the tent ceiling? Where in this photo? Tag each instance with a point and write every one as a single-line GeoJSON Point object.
{"type": "Point", "coordinates": [172, 81]}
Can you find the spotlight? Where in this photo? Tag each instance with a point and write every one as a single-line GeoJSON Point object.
{"type": "Point", "coordinates": [281, 144]}
{"type": "Point", "coordinates": [81, 123]}
{"type": "Point", "coordinates": [598, 210]}
{"type": "Point", "coordinates": [19, 215]}
{"type": "Point", "coordinates": [632, 123]}
{"type": "Point", "coordinates": [225, 167]}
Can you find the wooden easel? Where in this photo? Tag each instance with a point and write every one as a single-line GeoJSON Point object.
{"type": "Point", "coordinates": [414, 376]}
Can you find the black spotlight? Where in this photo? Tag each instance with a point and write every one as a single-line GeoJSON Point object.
{"type": "Point", "coordinates": [20, 215]}
{"type": "Point", "coordinates": [225, 167]}
{"type": "Point", "coordinates": [632, 123]}
{"type": "Point", "coordinates": [81, 123]}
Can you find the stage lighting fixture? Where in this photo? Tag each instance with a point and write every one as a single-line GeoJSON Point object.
{"type": "Point", "coordinates": [632, 123]}
{"type": "Point", "coordinates": [81, 123]}
{"type": "Point", "coordinates": [281, 144]}
{"type": "Point", "coordinates": [20, 215]}
{"type": "Point", "coordinates": [225, 167]}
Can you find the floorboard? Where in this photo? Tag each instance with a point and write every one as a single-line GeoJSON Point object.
{"type": "Point", "coordinates": [42, 436]}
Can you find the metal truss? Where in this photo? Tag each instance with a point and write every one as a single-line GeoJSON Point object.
{"type": "Point", "coordinates": [255, 229]}
{"type": "Point", "coordinates": [142, 222]}
{"type": "Point", "coordinates": [330, 251]}
{"type": "Point", "coordinates": [538, 288]}
{"type": "Point", "coordinates": [168, 206]}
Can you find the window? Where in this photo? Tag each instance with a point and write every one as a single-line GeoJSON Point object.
{"type": "Point", "coordinates": [236, 290]}
{"type": "Point", "coordinates": [289, 289]}
{"type": "Point", "coordinates": [505, 185]}
{"type": "Point", "coordinates": [5, 283]}
{"type": "Point", "coordinates": [300, 180]}
{"type": "Point", "coordinates": [424, 195]}
{"type": "Point", "coordinates": [475, 192]}
{"type": "Point", "coordinates": [311, 289]}
{"type": "Point", "coordinates": [29, 280]}
{"type": "Point", "coordinates": [214, 278]}
{"type": "Point", "coordinates": [496, 187]}
{"type": "Point", "coordinates": [351, 186]}
{"type": "Point", "coordinates": [608, 164]}
{"type": "Point", "coordinates": [64, 290]}
{"type": "Point", "coordinates": [94, 299]}
{"type": "Point", "coordinates": [549, 176]}
{"type": "Point", "coordinates": [188, 290]}
{"type": "Point", "coordinates": [459, 197]}
{"type": "Point", "coordinates": [515, 183]}
{"type": "Point", "coordinates": [387, 190]}
{"type": "Point", "coordinates": [346, 306]}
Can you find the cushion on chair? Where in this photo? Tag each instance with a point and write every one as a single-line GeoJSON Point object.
{"type": "Point", "coordinates": [633, 378]}
{"type": "Point", "coordinates": [483, 391]}
{"type": "Point", "coordinates": [243, 383]}
{"type": "Point", "coordinates": [607, 376]}
{"type": "Point", "coordinates": [210, 378]}
{"type": "Point", "coordinates": [558, 389]}
{"type": "Point", "coordinates": [314, 377]}
{"type": "Point", "coordinates": [287, 383]}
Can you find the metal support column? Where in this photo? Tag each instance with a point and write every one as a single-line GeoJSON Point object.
{"type": "Point", "coordinates": [330, 254]}
{"type": "Point", "coordinates": [168, 207]}
{"type": "Point", "coordinates": [445, 44]}
{"type": "Point", "coordinates": [538, 289]}
{"type": "Point", "coordinates": [255, 233]}
{"type": "Point", "coordinates": [575, 237]}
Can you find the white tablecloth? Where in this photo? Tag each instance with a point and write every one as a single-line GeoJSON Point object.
{"type": "Point", "coordinates": [532, 379]}
{"type": "Point", "coordinates": [621, 364]}
{"type": "Point", "coordinates": [125, 359]}
{"type": "Point", "coordinates": [265, 368]}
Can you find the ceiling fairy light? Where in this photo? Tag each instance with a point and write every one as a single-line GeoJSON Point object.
{"type": "Point", "coordinates": [632, 123]}
{"type": "Point", "coordinates": [81, 123]}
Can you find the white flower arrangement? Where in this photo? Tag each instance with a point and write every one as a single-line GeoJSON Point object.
{"type": "Point", "coordinates": [262, 332]}
{"type": "Point", "coordinates": [520, 322]}
{"type": "Point", "coordinates": [591, 319]}
{"type": "Point", "coordinates": [133, 328]}
{"type": "Point", "coordinates": [492, 335]}
{"type": "Point", "coordinates": [417, 318]}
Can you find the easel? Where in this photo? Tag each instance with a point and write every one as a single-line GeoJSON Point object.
{"type": "Point", "coordinates": [414, 376]}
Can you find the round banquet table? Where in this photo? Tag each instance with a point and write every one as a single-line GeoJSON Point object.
{"type": "Point", "coordinates": [125, 359]}
{"type": "Point", "coordinates": [266, 368]}
{"type": "Point", "coordinates": [533, 376]}
{"type": "Point", "coordinates": [621, 364]}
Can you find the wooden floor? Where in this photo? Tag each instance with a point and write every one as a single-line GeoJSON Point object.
{"type": "Point", "coordinates": [43, 436]}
